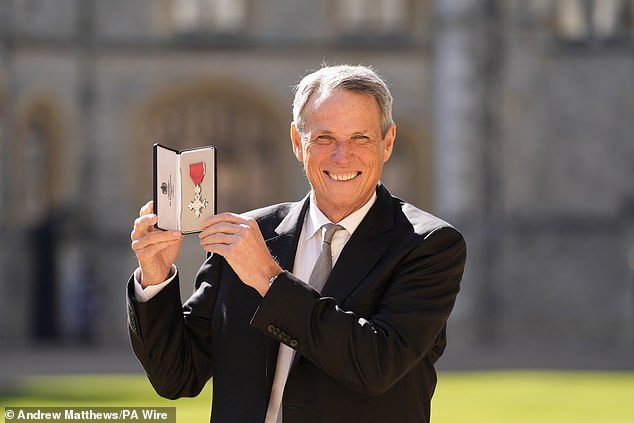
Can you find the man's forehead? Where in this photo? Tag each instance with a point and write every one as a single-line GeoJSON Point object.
{"type": "Point", "coordinates": [323, 95]}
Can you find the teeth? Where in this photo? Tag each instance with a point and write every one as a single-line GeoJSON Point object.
{"type": "Point", "coordinates": [343, 177]}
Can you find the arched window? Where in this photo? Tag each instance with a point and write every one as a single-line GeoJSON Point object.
{"type": "Point", "coordinates": [38, 169]}
{"type": "Point", "coordinates": [39, 166]}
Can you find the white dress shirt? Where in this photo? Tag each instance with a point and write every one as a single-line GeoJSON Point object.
{"type": "Point", "coordinates": [308, 251]}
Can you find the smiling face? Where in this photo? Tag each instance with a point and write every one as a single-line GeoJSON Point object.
{"type": "Point", "coordinates": [342, 149]}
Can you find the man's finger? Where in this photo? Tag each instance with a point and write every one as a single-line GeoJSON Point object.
{"type": "Point", "coordinates": [142, 224]}
{"type": "Point", "coordinates": [223, 228]}
{"type": "Point", "coordinates": [218, 238]}
{"type": "Point", "coordinates": [153, 249]}
{"type": "Point", "coordinates": [155, 238]}
{"type": "Point", "coordinates": [147, 208]}
{"type": "Point", "coordinates": [225, 217]}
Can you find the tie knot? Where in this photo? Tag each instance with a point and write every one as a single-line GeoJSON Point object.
{"type": "Point", "coordinates": [328, 232]}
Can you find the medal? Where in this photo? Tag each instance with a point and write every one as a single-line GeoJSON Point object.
{"type": "Point", "coordinates": [197, 173]}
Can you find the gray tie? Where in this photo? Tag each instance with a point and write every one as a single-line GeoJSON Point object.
{"type": "Point", "coordinates": [324, 262]}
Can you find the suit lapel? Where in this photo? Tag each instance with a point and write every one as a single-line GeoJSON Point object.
{"type": "Point", "coordinates": [368, 243]}
{"type": "Point", "coordinates": [283, 246]}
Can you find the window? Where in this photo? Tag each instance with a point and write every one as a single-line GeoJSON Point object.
{"type": "Point", "coordinates": [39, 170]}
{"type": "Point", "coordinates": [373, 17]}
{"type": "Point", "coordinates": [587, 20]}
{"type": "Point", "coordinates": [208, 16]}
{"type": "Point", "coordinates": [607, 17]}
{"type": "Point", "coordinates": [35, 202]}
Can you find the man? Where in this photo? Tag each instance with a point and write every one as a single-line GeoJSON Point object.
{"type": "Point", "coordinates": [360, 347]}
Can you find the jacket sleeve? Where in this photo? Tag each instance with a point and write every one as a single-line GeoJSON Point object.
{"type": "Point", "coordinates": [173, 341]}
{"type": "Point", "coordinates": [372, 354]}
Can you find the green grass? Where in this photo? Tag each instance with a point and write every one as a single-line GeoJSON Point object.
{"type": "Point", "coordinates": [534, 397]}
{"type": "Point", "coordinates": [461, 397]}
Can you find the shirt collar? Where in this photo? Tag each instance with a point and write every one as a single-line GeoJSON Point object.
{"type": "Point", "coordinates": [315, 218]}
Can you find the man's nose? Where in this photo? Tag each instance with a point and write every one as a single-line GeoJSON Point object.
{"type": "Point", "coordinates": [342, 152]}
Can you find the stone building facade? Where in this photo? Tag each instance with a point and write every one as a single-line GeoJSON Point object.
{"type": "Point", "coordinates": [514, 122]}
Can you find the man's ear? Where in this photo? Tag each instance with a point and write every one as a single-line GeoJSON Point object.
{"type": "Point", "coordinates": [388, 142]}
{"type": "Point", "coordinates": [296, 141]}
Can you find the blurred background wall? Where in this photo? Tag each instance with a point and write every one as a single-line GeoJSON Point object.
{"type": "Point", "coordinates": [515, 123]}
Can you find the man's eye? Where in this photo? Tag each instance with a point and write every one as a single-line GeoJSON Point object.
{"type": "Point", "coordinates": [324, 139]}
{"type": "Point", "coordinates": [361, 139]}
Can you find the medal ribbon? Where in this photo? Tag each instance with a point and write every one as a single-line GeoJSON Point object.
{"type": "Point", "coordinates": [197, 172]}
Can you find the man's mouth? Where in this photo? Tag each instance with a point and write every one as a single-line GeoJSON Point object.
{"type": "Point", "coordinates": [342, 176]}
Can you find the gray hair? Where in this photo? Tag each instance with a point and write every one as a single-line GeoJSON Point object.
{"type": "Point", "coordinates": [360, 79]}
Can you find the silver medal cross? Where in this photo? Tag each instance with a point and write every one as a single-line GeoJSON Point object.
{"type": "Point", "coordinates": [197, 204]}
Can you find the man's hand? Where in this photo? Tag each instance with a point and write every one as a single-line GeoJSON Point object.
{"type": "Point", "coordinates": [239, 240]}
{"type": "Point", "coordinates": [156, 250]}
